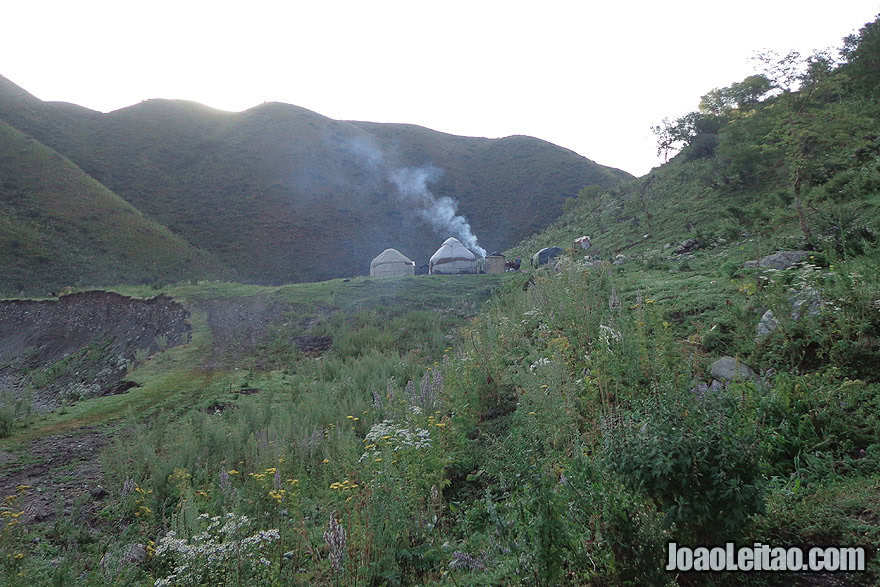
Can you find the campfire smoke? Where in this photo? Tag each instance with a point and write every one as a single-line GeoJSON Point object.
{"type": "Point", "coordinates": [412, 188]}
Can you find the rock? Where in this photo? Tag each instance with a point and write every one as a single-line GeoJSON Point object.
{"type": "Point", "coordinates": [667, 246]}
{"type": "Point", "coordinates": [686, 247]}
{"type": "Point", "coordinates": [730, 369]}
{"type": "Point", "coordinates": [809, 297]}
{"type": "Point", "coordinates": [98, 492]}
{"type": "Point", "coordinates": [563, 264]}
{"type": "Point", "coordinates": [701, 387]}
{"type": "Point", "coordinates": [767, 324]}
{"type": "Point", "coordinates": [619, 259]}
{"type": "Point", "coordinates": [807, 302]}
{"type": "Point", "coordinates": [751, 264]}
{"type": "Point", "coordinates": [783, 259]}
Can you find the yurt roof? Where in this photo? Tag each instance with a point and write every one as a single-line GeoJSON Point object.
{"type": "Point", "coordinates": [390, 256]}
{"type": "Point", "coordinates": [452, 250]}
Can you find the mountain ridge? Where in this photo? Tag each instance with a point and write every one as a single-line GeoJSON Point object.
{"type": "Point", "coordinates": [258, 188]}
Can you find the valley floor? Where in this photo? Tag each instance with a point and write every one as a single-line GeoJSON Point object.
{"type": "Point", "coordinates": [557, 426]}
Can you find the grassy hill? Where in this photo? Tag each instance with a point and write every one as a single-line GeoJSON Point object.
{"type": "Point", "coordinates": [258, 189]}
{"type": "Point", "coordinates": [60, 227]}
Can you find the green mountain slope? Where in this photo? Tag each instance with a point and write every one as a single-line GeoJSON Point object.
{"type": "Point", "coordinates": [281, 193]}
{"type": "Point", "coordinates": [787, 168]}
{"type": "Point", "coordinates": [58, 227]}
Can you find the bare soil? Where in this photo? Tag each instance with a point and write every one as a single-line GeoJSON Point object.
{"type": "Point", "coordinates": [52, 473]}
{"type": "Point", "coordinates": [80, 344]}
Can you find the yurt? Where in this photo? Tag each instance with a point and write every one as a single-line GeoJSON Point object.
{"type": "Point", "coordinates": [391, 263]}
{"type": "Point", "coordinates": [452, 257]}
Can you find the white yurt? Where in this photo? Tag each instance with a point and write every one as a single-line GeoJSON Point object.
{"type": "Point", "coordinates": [391, 263]}
{"type": "Point", "coordinates": [452, 257]}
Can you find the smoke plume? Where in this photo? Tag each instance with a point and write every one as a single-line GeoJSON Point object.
{"type": "Point", "coordinates": [412, 188]}
{"type": "Point", "coordinates": [412, 185]}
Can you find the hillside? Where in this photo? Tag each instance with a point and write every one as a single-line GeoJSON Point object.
{"type": "Point", "coordinates": [258, 189]}
{"type": "Point", "coordinates": [786, 168]}
{"type": "Point", "coordinates": [59, 227]}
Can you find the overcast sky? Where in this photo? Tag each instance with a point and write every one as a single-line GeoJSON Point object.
{"type": "Point", "coordinates": [592, 76]}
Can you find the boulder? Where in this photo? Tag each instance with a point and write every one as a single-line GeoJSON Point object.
{"type": "Point", "coordinates": [686, 247]}
{"type": "Point", "coordinates": [807, 302]}
{"type": "Point", "coordinates": [619, 259]}
{"type": "Point", "coordinates": [783, 259]}
{"type": "Point", "coordinates": [730, 369]}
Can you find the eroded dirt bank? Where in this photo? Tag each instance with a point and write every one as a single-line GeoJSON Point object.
{"type": "Point", "coordinates": [80, 345]}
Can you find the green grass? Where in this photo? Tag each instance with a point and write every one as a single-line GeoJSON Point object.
{"type": "Point", "coordinates": [176, 379]}
{"type": "Point", "coordinates": [60, 227]}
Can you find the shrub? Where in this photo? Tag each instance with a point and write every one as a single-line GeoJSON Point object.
{"type": "Point", "coordinates": [7, 419]}
{"type": "Point", "coordinates": [694, 455]}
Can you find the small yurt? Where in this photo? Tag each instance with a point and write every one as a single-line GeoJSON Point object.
{"type": "Point", "coordinates": [452, 257]}
{"type": "Point", "coordinates": [391, 263]}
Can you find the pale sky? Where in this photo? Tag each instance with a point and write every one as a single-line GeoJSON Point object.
{"type": "Point", "coordinates": [589, 76]}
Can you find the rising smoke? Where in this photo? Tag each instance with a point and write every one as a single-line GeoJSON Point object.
{"type": "Point", "coordinates": [412, 188]}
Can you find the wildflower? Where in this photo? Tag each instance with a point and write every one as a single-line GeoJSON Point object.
{"type": "Point", "coordinates": [23, 487]}
{"type": "Point", "coordinates": [271, 470]}
{"type": "Point", "coordinates": [325, 461]}
{"type": "Point", "coordinates": [225, 484]}
{"type": "Point", "coordinates": [293, 481]}
{"type": "Point", "coordinates": [335, 536]}
{"type": "Point", "coordinates": [533, 413]}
